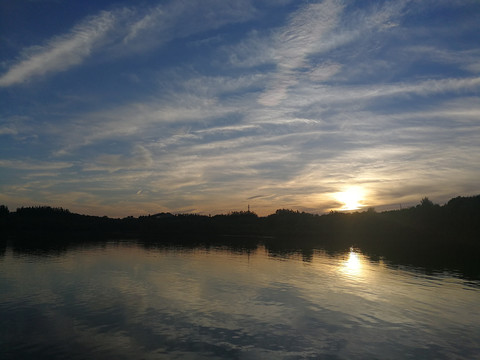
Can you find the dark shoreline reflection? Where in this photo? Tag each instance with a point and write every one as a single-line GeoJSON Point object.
{"type": "Point", "coordinates": [429, 236]}
{"type": "Point", "coordinates": [464, 264]}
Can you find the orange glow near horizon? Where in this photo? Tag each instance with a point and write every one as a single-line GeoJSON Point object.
{"type": "Point", "coordinates": [351, 198]}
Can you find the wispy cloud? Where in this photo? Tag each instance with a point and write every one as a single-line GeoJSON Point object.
{"type": "Point", "coordinates": [466, 59]}
{"type": "Point", "coordinates": [62, 52]}
{"type": "Point", "coordinates": [124, 32]}
{"type": "Point", "coordinates": [296, 49]}
{"type": "Point", "coordinates": [140, 158]}
{"type": "Point", "coordinates": [181, 18]}
{"type": "Point", "coordinates": [34, 165]}
{"type": "Point", "coordinates": [305, 34]}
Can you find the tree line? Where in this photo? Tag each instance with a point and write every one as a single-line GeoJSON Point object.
{"type": "Point", "coordinates": [459, 218]}
{"type": "Point", "coordinates": [426, 234]}
{"type": "Point", "coordinates": [453, 227]}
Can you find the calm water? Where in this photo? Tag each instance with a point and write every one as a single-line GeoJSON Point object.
{"type": "Point", "coordinates": [122, 301]}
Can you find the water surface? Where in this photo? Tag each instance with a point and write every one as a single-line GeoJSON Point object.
{"type": "Point", "coordinates": [124, 301]}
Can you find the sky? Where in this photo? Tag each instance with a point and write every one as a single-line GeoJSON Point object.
{"type": "Point", "coordinates": [124, 108]}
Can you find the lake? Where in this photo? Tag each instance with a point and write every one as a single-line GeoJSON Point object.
{"type": "Point", "coordinates": [122, 300]}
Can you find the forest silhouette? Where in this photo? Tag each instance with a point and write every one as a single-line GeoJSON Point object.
{"type": "Point", "coordinates": [427, 235]}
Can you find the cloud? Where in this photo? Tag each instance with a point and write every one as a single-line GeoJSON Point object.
{"type": "Point", "coordinates": [310, 93]}
{"type": "Point", "coordinates": [8, 130]}
{"type": "Point", "coordinates": [181, 18]}
{"type": "Point", "coordinates": [62, 52]}
{"type": "Point", "coordinates": [140, 158]}
{"type": "Point", "coordinates": [305, 34]}
{"type": "Point", "coordinates": [193, 107]}
{"type": "Point", "coordinates": [137, 120]}
{"type": "Point", "coordinates": [124, 32]}
{"type": "Point", "coordinates": [296, 49]}
{"type": "Point", "coordinates": [34, 165]}
{"type": "Point", "coordinates": [468, 59]}
{"type": "Point", "coordinates": [257, 197]}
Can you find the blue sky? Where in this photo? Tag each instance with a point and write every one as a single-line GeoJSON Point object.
{"type": "Point", "coordinates": [135, 107]}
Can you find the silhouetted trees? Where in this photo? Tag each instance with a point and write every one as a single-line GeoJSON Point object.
{"type": "Point", "coordinates": [460, 217]}
{"type": "Point", "coordinates": [4, 211]}
{"type": "Point", "coordinates": [426, 203]}
{"type": "Point", "coordinates": [452, 230]}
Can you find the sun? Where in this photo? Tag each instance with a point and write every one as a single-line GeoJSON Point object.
{"type": "Point", "coordinates": [352, 198]}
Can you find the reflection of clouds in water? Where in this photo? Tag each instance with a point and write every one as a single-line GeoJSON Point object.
{"type": "Point", "coordinates": [128, 302]}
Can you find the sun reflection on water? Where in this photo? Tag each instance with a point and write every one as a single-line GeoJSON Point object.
{"type": "Point", "coordinates": [353, 265]}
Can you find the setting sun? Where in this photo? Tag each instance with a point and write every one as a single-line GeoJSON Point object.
{"type": "Point", "coordinates": [352, 198]}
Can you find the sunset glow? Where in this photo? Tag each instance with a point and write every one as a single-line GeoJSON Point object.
{"type": "Point", "coordinates": [352, 198]}
{"type": "Point", "coordinates": [125, 108]}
